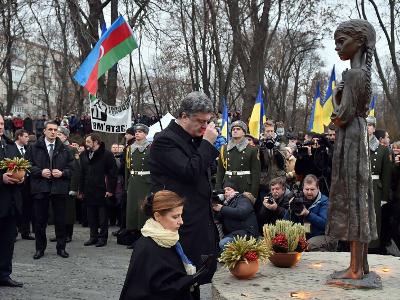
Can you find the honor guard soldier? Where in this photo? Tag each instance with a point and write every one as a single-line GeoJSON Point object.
{"type": "Point", "coordinates": [139, 183]}
{"type": "Point", "coordinates": [381, 167]}
{"type": "Point", "coordinates": [239, 162]}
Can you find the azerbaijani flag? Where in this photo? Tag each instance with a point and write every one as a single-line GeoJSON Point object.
{"type": "Point", "coordinates": [327, 103]}
{"type": "Point", "coordinates": [372, 107]}
{"type": "Point", "coordinates": [257, 118]}
{"type": "Point", "coordinates": [316, 123]}
{"type": "Point", "coordinates": [117, 42]}
{"type": "Point", "coordinates": [224, 125]}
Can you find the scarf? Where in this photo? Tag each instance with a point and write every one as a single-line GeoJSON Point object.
{"type": "Point", "coordinates": [167, 238]}
{"type": "Point", "coordinates": [240, 146]}
{"type": "Point", "coordinates": [141, 147]}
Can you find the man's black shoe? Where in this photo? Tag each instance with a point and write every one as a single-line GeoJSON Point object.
{"type": "Point", "coordinates": [62, 253]}
{"type": "Point", "coordinates": [27, 237]}
{"type": "Point", "coordinates": [101, 243]}
{"type": "Point", "coordinates": [38, 254]}
{"type": "Point", "coordinates": [53, 239]}
{"type": "Point", "coordinates": [90, 242]}
{"type": "Point", "coordinates": [9, 282]}
{"type": "Point", "coordinates": [68, 239]}
{"type": "Point", "coordinates": [115, 233]}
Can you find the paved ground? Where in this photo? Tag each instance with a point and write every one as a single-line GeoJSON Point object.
{"type": "Point", "coordinates": [89, 272]}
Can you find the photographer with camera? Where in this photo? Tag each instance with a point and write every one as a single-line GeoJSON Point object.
{"type": "Point", "coordinates": [276, 203]}
{"type": "Point", "coordinates": [236, 214]}
{"type": "Point", "coordinates": [310, 208]}
{"type": "Point", "coordinates": [272, 159]}
{"type": "Point", "coordinates": [315, 157]}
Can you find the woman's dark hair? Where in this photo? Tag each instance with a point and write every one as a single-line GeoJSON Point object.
{"type": "Point", "coordinates": [161, 202]}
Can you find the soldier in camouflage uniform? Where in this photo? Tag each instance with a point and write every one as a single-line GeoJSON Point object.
{"type": "Point", "coordinates": [381, 166]}
{"type": "Point", "coordinates": [239, 162]}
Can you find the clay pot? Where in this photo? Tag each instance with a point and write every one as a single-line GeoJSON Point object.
{"type": "Point", "coordinates": [245, 270]}
{"type": "Point", "coordinates": [18, 175]}
{"type": "Point", "coordinates": [285, 260]}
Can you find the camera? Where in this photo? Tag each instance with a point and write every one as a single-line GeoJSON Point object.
{"type": "Point", "coordinates": [268, 143]}
{"type": "Point", "coordinates": [302, 148]}
{"type": "Point", "coordinates": [270, 199]}
{"type": "Point", "coordinates": [218, 196]}
{"type": "Point", "coordinates": [297, 204]}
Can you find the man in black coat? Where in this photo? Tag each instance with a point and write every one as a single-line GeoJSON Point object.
{"type": "Point", "coordinates": [98, 181]}
{"type": "Point", "coordinates": [10, 196]}
{"type": "Point", "coordinates": [180, 160]}
{"type": "Point", "coordinates": [236, 214]}
{"type": "Point", "coordinates": [51, 170]}
{"type": "Point", "coordinates": [24, 222]}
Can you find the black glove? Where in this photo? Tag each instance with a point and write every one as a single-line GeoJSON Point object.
{"type": "Point", "coordinates": [207, 260]}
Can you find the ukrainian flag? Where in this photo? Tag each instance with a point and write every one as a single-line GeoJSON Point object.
{"type": "Point", "coordinates": [372, 107]}
{"type": "Point", "coordinates": [316, 122]}
{"type": "Point", "coordinates": [224, 126]}
{"type": "Point", "coordinates": [327, 103]}
{"type": "Point", "coordinates": [257, 118]}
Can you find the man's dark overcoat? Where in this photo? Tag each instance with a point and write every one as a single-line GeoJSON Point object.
{"type": "Point", "coordinates": [10, 201]}
{"type": "Point", "coordinates": [99, 175]}
{"type": "Point", "coordinates": [180, 163]}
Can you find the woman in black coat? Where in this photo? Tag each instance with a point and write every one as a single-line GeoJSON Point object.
{"type": "Point", "coordinates": [159, 269]}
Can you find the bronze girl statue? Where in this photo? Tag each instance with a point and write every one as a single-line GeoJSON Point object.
{"type": "Point", "coordinates": [351, 214]}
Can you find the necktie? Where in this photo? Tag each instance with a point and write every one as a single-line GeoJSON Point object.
{"type": "Point", "coordinates": [22, 151]}
{"type": "Point", "coordinates": [51, 151]}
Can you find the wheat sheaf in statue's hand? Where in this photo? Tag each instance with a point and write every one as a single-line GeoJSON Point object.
{"type": "Point", "coordinates": [337, 93]}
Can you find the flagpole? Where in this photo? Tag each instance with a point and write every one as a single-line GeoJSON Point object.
{"type": "Point", "coordinates": [151, 91]}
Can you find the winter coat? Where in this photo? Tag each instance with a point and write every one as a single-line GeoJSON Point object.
{"type": "Point", "coordinates": [318, 213]}
{"type": "Point", "coordinates": [10, 194]}
{"type": "Point", "coordinates": [99, 175]}
{"type": "Point", "coordinates": [39, 158]}
{"type": "Point", "coordinates": [156, 273]}
{"type": "Point", "coordinates": [238, 217]}
{"type": "Point", "coordinates": [180, 163]}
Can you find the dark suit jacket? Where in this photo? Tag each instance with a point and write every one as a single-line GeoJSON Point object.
{"type": "Point", "coordinates": [181, 164]}
{"type": "Point", "coordinates": [63, 160]}
{"type": "Point", "coordinates": [10, 194]}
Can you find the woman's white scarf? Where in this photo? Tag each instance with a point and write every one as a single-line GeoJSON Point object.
{"type": "Point", "coordinates": [167, 239]}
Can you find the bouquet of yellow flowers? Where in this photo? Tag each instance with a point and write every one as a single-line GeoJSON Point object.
{"type": "Point", "coordinates": [13, 165]}
{"type": "Point", "coordinates": [17, 166]}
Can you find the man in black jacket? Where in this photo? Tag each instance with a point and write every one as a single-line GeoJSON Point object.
{"type": "Point", "coordinates": [276, 203]}
{"type": "Point", "coordinates": [237, 214]}
{"type": "Point", "coordinates": [98, 181]}
{"type": "Point", "coordinates": [180, 160]}
{"type": "Point", "coordinates": [50, 175]}
{"type": "Point", "coordinates": [10, 195]}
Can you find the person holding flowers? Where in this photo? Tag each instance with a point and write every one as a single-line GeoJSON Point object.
{"type": "Point", "coordinates": [10, 196]}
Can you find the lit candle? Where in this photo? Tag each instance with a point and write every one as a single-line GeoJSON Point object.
{"type": "Point", "coordinates": [385, 269]}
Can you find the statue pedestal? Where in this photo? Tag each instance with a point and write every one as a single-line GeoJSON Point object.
{"type": "Point", "coordinates": [369, 281]}
{"type": "Point", "coordinates": [308, 280]}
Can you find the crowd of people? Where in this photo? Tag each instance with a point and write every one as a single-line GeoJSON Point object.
{"type": "Point", "coordinates": [76, 125]}
{"type": "Point", "coordinates": [182, 197]}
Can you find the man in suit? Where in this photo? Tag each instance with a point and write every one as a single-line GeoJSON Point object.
{"type": "Point", "coordinates": [21, 141]}
{"type": "Point", "coordinates": [10, 194]}
{"type": "Point", "coordinates": [180, 160]}
{"type": "Point", "coordinates": [51, 169]}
